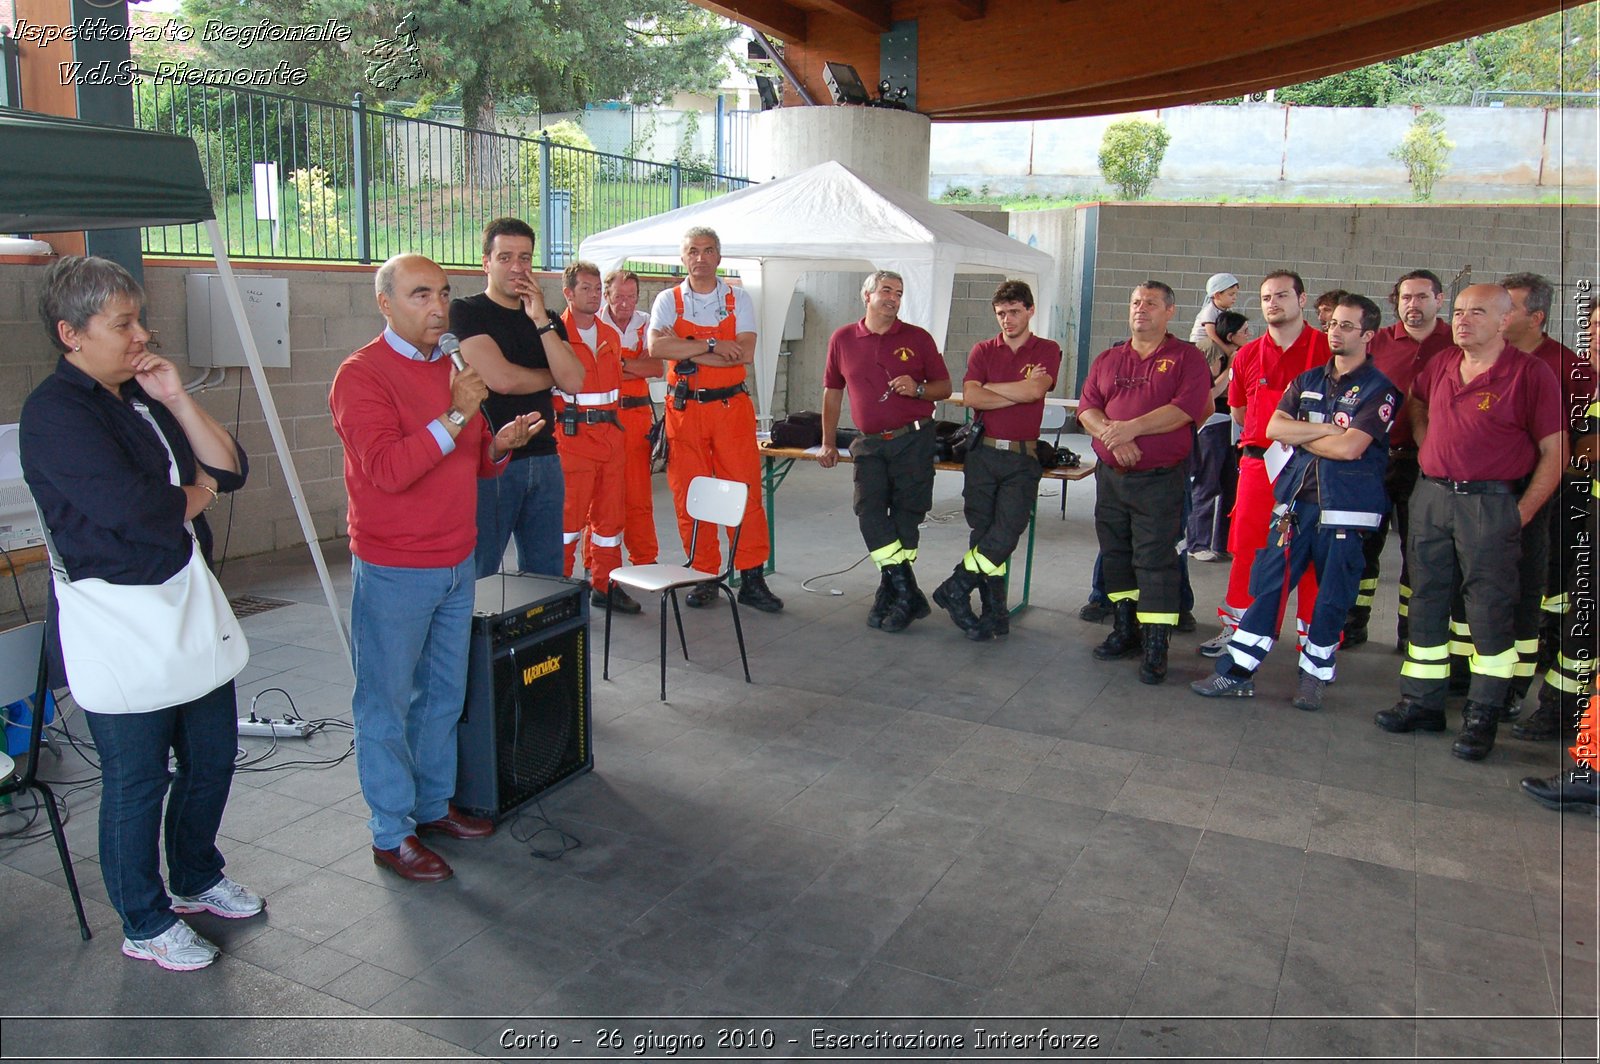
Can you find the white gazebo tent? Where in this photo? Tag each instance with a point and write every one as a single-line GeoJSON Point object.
{"type": "Point", "coordinates": [830, 218]}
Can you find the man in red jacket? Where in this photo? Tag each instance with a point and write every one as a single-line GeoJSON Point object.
{"type": "Point", "coordinates": [414, 448]}
{"type": "Point", "coordinates": [1262, 370]}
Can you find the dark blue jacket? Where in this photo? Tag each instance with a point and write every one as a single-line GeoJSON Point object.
{"type": "Point", "coordinates": [1352, 493]}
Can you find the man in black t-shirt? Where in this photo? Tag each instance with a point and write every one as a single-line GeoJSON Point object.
{"type": "Point", "coordinates": [520, 350]}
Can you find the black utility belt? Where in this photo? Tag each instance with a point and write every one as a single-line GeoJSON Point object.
{"type": "Point", "coordinates": [1254, 452]}
{"type": "Point", "coordinates": [1027, 447]}
{"type": "Point", "coordinates": [894, 434]}
{"type": "Point", "coordinates": [712, 395]}
{"type": "Point", "coordinates": [1479, 487]}
{"type": "Point", "coordinates": [572, 416]}
{"type": "Point", "coordinates": [630, 402]}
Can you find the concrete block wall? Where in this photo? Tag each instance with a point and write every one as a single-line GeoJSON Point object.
{"type": "Point", "coordinates": [1359, 248]}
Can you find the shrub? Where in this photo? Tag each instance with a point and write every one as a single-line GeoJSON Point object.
{"type": "Point", "coordinates": [574, 164]}
{"type": "Point", "coordinates": [1131, 153]}
{"type": "Point", "coordinates": [318, 209]}
{"type": "Point", "coordinates": [1425, 151]}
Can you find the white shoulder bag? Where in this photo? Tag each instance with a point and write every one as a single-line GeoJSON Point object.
{"type": "Point", "coordinates": [136, 648]}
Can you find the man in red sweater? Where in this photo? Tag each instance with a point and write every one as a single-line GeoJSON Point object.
{"type": "Point", "coordinates": [414, 448]}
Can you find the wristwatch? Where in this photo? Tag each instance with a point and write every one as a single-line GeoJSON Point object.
{"type": "Point", "coordinates": [711, 346]}
{"type": "Point", "coordinates": [549, 326]}
{"type": "Point", "coordinates": [456, 417]}
{"type": "Point", "coordinates": [922, 387]}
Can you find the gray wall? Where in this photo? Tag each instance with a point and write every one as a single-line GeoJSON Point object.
{"type": "Point", "coordinates": [1281, 151]}
{"type": "Point", "coordinates": [1360, 248]}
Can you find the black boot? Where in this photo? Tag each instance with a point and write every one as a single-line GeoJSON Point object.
{"type": "Point", "coordinates": [1123, 642]}
{"type": "Point", "coordinates": [1556, 718]}
{"type": "Point", "coordinates": [1408, 716]}
{"type": "Point", "coordinates": [1574, 789]}
{"type": "Point", "coordinates": [1480, 721]}
{"type": "Point", "coordinates": [897, 616]}
{"type": "Point", "coordinates": [1154, 667]}
{"type": "Point", "coordinates": [955, 596]}
{"type": "Point", "coordinates": [1355, 626]}
{"type": "Point", "coordinates": [754, 592]}
{"type": "Point", "coordinates": [996, 618]}
{"type": "Point", "coordinates": [880, 601]}
{"type": "Point", "coordinates": [1512, 709]}
{"type": "Point", "coordinates": [919, 601]}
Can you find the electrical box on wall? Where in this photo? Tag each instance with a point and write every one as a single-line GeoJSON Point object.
{"type": "Point", "coordinates": [213, 336]}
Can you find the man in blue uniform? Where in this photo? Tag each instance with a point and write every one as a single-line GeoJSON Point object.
{"type": "Point", "coordinates": [1330, 496]}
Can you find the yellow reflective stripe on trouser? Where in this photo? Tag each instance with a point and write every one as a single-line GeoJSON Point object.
{"type": "Point", "coordinates": [1527, 656]}
{"type": "Point", "coordinates": [1405, 600]}
{"type": "Point", "coordinates": [908, 554]}
{"type": "Point", "coordinates": [1366, 591]}
{"type": "Point", "coordinates": [1564, 683]}
{"type": "Point", "coordinates": [977, 563]}
{"type": "Point", "coordinates": [1502, 665]}
{"type": "Point", "coordinates": [1555, 603]}
{"type": "Point", "coordinates": [1169, 619]}
{"type": "Point", "coordinates": [1123, 596]}
{"type": "Point", "coordinates": [1460, 639]}
{"type": "Point", "coordinates": [1427, 663]}
{"type": "Point", "coordinates": [888, 554]}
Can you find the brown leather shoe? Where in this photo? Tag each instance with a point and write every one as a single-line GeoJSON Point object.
{"type": "Point", "coordinates": [414, 861]}
{"type": "Point", "coordinates": [459, 825]}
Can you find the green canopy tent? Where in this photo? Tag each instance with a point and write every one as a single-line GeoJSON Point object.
{"type": "Point", "coordinates": [62, 174]}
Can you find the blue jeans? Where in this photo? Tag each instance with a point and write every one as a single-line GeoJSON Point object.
{"type": "Point", "coordinates": [203, 735]}
{"type": "Point", "coordinates": [525, 501]}
{"type": "Point", "coordinates": [409, 632]}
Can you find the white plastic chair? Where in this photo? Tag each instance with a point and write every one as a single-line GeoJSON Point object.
{"type": "Point", "coordinates": [711, 502]}
{"type": "Point", "coordinates": [24, 673]}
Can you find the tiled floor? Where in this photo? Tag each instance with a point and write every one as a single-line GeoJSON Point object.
{"type": "Point", "coordinates": [885, 833]}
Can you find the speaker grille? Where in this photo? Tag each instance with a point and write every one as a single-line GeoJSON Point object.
{"type": "Point", "coordinates": [540, 727]}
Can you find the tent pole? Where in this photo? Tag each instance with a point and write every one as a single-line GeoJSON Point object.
{"type": "Point", "coordinates": [269, 410]}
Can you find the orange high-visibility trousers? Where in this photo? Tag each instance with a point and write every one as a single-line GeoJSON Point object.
{"type": "Point", "coordinates": [591, 464]}
{"type": "Point", "coordinates": [718, 439]}
{"type": "Point", "coordinates": [639, 519]}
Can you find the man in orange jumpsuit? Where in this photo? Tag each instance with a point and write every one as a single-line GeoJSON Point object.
{"type": "Point", "coordinates": [706, 328]}
{"type": "Point", "coordinates": [622, 313]}
{"type": "Point", "coordinates": [589, 437]}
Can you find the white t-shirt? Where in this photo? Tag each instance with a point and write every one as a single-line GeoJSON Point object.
{"type": "Point", "coordinates": [704, 309]}
{"type": "Point", "coordinates": [635, 337]}
{"type": "Point", "coordinates": [1208, 315]}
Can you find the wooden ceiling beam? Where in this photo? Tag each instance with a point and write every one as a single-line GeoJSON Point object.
{"type": "Point", "coordinates": [776, 18]}
{"type": "Point", "coordinates": [971, 10]}
{"type": "Point", "coordinates": [870, 15]}
{"type": "Point", "coordinates": [1249, 71]}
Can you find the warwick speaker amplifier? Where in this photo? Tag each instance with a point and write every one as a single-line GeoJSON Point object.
{"type": "Point", "coordinates": [526, 726]}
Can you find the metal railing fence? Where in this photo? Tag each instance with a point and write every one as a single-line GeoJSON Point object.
{"type": "Point", "coordinates": [329, 182]}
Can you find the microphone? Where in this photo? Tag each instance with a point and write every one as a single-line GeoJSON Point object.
{"type": "Point", "coordinates": [452, 347]}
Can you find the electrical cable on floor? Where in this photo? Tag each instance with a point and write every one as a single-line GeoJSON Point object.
{"type": "Point", "coordinates": [805, 585]}
{"type": "Point", "coordinates": [567, 842]}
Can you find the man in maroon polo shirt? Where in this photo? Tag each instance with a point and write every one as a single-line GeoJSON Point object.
{"type": "Point", "coordinates": [1399, 352]}
{"type": "Point", "coordinates": [1006, 381]}
{"type": "Point", "coordinates": [1541, 617]}
{"type": "Point", "coordinates": [1140, 403]}
{"type": "Point", "coordinates": [894, 374]}
{"type": "Point", "coordinates": [1262, 369]}
{"type": "Point", "coordinates": [1490, 430]}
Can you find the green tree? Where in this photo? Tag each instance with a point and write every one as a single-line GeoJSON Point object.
{"type": "Point", "coordinates": [1425, 151]}
{"type": "Point", "coordinates": [1130, 155]}
{"type": "Point", "coordinates": [560, 53]}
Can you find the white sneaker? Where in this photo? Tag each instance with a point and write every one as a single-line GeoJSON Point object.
{"type": "Point", "coordinates": [1203, 555]}
{"type": "Point", "coordinates": [177, 949]}
{"type": "Point", "coordinates": [227, 899]}
{"type": "Point", "coordinates": [1217, 645]}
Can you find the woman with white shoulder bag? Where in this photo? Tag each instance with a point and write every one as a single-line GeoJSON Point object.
{"type": "Point", "coordinates": [123, 464]}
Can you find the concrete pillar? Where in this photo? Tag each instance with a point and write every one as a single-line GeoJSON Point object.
{"type": "Point", "coordinates": [884, 146]}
